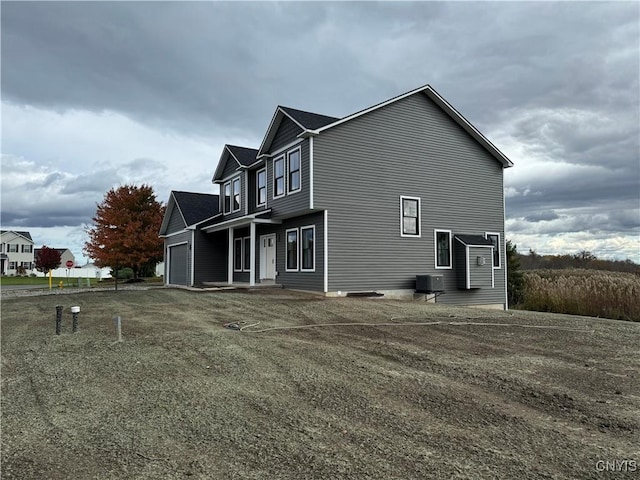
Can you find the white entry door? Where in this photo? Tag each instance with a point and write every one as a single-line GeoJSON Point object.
{"type": "Point", "coordinates": [268, 257]}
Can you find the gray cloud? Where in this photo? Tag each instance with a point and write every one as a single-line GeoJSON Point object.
{"type": "Point", "coordinates": [555, 85]}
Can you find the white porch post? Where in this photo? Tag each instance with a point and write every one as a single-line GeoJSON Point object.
{"type": "Point", "coordinates": [252, 250]}
{"type": "Point", "coordinates": [230, 257]}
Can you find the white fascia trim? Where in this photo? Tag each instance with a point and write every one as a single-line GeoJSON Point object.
{"type": "Point", "coordinates": [307, 227]}
{"type": "Point", "coordinates": [310, 174]}
{"type": "Point", "coordinates": [184, 230]}
{"type": "Point", "coordinates": [186, 242]}
{"type": "Point", "coordinates": [506, 274]}
{"type": "Point", "coordinates": [419, 218]}
{"type": "Point", "coordinates": [236, 222]}
{"type": "Point", "coordinates": [467, 126]}
{"type": "Point", "coordinates": [268, 135]}
{"type": "Point", "coordinates": [220, 167]}
{"type": "Point", "coordinates": [367, 110]}
{"type": "Point", "coordinates": [282, 149]}
{"type": "Point", "coordinates": [435, 248]}
{"type": "Point", "coordinates": [326, 251]}
{"type": "Point", "coordinates": [193, 227]}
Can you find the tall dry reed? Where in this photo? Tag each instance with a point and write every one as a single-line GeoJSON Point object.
{"type": "Point", "coordinates": [594, 293]}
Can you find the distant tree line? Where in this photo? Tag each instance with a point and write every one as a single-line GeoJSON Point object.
{"type": "Point", "coordinates": [583, 259]}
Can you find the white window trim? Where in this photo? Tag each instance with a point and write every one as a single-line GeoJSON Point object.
{"type": "Point", "coordinates": [286, 250]}
{"type": "Point", "coordinates": [299, 150]}
{"type": "Point", "coordinates": [246, 268]}
{"type": "Point", "coordinates": [486, 235]}
{"type": "Point", "coordinates": [13, 245]}
{"type": "Point", "coordinates": [284, 172]}
{"type": "Point", "coordinates": [233, 194]}
{"type": "Point", "coordinates": [419, 218]}
{"type": "Point", "coordinates": [235, 240]}
{"type": "Point", "coordinates": [263, 204]}
{"type": "Point", "coordinates": [224, 198]}
{"type": "Point", "coordinates": [435, 249]}
{"type": "Point", "coordinates": [313, 228]}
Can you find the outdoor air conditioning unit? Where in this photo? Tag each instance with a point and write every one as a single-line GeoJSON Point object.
{"type": "Point", "coordinates": [429, 283]}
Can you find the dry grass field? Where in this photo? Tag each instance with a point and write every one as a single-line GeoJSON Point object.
{"type": "Point", "coordinates": [596, 293]}
{"type": "Point", "coordinates": [544, 396]}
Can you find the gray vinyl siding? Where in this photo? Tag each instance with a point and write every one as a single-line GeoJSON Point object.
{"type": "Point", "coordinates": [287, 133]}
{"type": "Point", "coordinates": [312, 281]}
{"type": "Point", "coordinates": [176, 223]}
{"type": "Point", "coordinates": [172, 241]}
{"type": "Point", "coordinates": [291, 203]}
{"type": "Point", "coordinates": [210, 257]}
{"type": "Point", "coordinates": [408, 148]}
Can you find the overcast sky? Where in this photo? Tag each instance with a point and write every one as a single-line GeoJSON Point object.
{"type": "Point", "coordinates": [95, 95]}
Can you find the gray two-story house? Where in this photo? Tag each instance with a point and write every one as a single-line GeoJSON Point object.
{"type": "Point", "coordinates": [403, 195]}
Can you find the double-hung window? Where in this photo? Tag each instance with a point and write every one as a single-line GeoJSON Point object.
{"type": "Point", "coordinates": [292, 250]}
{"type": "Point", "coordinates": [443, 248]}
{"type": "Point", "coordinates": [495, 239]}
{"type": "Point", "coordinates": [261, 185]}
{"type": "Point", "coordinates": [307, 248]}
{"type": "Point", "coordinates": [227, 198]}
{"type": "Point", "coordinates": [294, 171]}
{"type": "Point", "coordinates": [236, 194]}
{"type": "Point", "coordinates": [246, 266]}
{"type": "Point", "coordinates": [12, 247]}
{"type": "Point", "coordinates": [410, 216]}
{"type": "Point", "coordinates": [278, 177]}
{"type": "Point", "coordinates": [237, 255]}
{"type": "Point", "coordinates": [27, 248]}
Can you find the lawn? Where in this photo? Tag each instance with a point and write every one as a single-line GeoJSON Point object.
{"type": "Point", "coordinates": [44, 281]}
{"type": "Point", "coordinates": [465, 394]}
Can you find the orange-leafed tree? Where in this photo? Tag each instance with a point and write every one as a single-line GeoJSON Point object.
{"type": "Point", "coordinates": [125, 229]}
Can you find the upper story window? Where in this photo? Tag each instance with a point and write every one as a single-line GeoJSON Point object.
{"type": "Point", "coordinates": [294, 171]}
{"type": "Point", "coordinates": [410, 216]}
{"type": "Point", "coordinates": [261, 185]}
{"type": "Point", "coordinates": [443, 248]}
{"type": "Point", "coordinates": [227, 198]}
{"type": "Point", "coordinates": [495, 239]}
{"type": "Point", "coordinates": [278, 177]}
{"type": "Point", "coordinates": [12, 247]}
{"type": "Point", "coordinates": [236, 194]}
{"type": "Point", "coordinates": [27, 248]}
{"type": "Point", "coordinates": [1, 247]}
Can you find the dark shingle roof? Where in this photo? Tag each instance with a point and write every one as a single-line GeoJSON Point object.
{"type": "Point", "coordinates": [246, 156]}
{"type": "Point", "coordinates": [474, 240]}
{"type": "Point", "coordinates": [60, 250]}
{"type": "Point", "coordinates": [24, 234]}
{"type": "Point", "coordinates": [196, 207]}
{"type": "Point", "coordinates": [307, 119]}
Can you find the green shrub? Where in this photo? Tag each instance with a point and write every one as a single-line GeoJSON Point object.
{"type": "Point", "coordinates": [125, 273]}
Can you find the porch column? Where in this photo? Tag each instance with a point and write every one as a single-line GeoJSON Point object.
{"type": "Point", "coordinates": [252, 250]}
{"type": "Point", "coordinates": [230, 257]}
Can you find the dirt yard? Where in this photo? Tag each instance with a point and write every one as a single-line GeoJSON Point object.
{"type": "Point", "coordinates": [549, 396]}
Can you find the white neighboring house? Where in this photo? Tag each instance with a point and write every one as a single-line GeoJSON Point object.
{"type": "Point", "coordinates": [16, 250]}
{"type": "Point", "coordinates": [65, 256]}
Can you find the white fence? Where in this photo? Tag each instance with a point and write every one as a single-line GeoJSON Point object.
{"type": "Point", "coordinates": [88, 272]}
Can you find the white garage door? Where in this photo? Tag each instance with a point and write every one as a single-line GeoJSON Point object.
{"type": "Point", "coordinates": [178, 265]}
